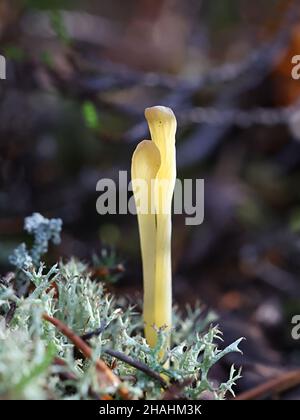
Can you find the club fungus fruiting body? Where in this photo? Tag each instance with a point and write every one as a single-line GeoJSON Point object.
{"type": "Point", "coordinates": [145, 164]}
{"type": "Point", "coordinates": [153, 181]}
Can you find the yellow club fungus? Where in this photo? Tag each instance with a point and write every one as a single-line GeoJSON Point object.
{"type": "Point", "coordinates": [153, 181]}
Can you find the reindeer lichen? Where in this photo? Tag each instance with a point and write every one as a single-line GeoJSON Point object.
{"type": "Point", "coordinates": [38, 362]}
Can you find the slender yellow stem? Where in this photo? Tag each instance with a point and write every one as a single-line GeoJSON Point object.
{"type": "Point", "coordinates": [145, 164]}
{"type": "Point", "coordinates": [153, 180]}
{"type": "Point", "coordinates": [162, 125]}
{"type": "Point", "coordinates": [163, 273]}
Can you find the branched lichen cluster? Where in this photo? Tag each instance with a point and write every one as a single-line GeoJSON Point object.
{"type": "Point", "coordinates": [44, 231]}
{"type": "Point", "coordinates": [38, 362]}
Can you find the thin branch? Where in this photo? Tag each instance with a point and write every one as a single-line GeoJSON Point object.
{"type": "Point", "coordinates": [95, 333]}
{"type": "Point", "coordinates": [126, 359]}
{"type": "Point", "coordinates": [272, 387]}
{"type": "Point", "coordinates": [138, 365]}
{"type": "Point", "coordinates": [108, 377]}
{"type": "Point", "coordinates": [243, 118]}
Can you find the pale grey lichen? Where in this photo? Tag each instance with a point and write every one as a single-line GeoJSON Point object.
{"type": "Point", "coordinates": [20, 258]}
{"type": "Point", "coordinates": [44, 231]}
{"type": "Point", "coordinates": [30, 346]}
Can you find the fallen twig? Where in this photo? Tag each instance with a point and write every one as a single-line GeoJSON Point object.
{"type": "Point", "coordinates": [126, 359]}
{"type": "Point", "coordinates": [272, 387]}
{"type": "Point", "coordinates": [107, 376]}
{"type": "Point", "coordinates": [94, 333]}
{"type": "Point", "coordinates": [138, 365]}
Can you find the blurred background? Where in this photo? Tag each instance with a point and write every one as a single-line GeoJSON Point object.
{"type": "Point", "coordinates": [79, 75]}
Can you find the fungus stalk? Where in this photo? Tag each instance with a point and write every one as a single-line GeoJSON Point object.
{"type": "Point", "coordinates": [154, 166]}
